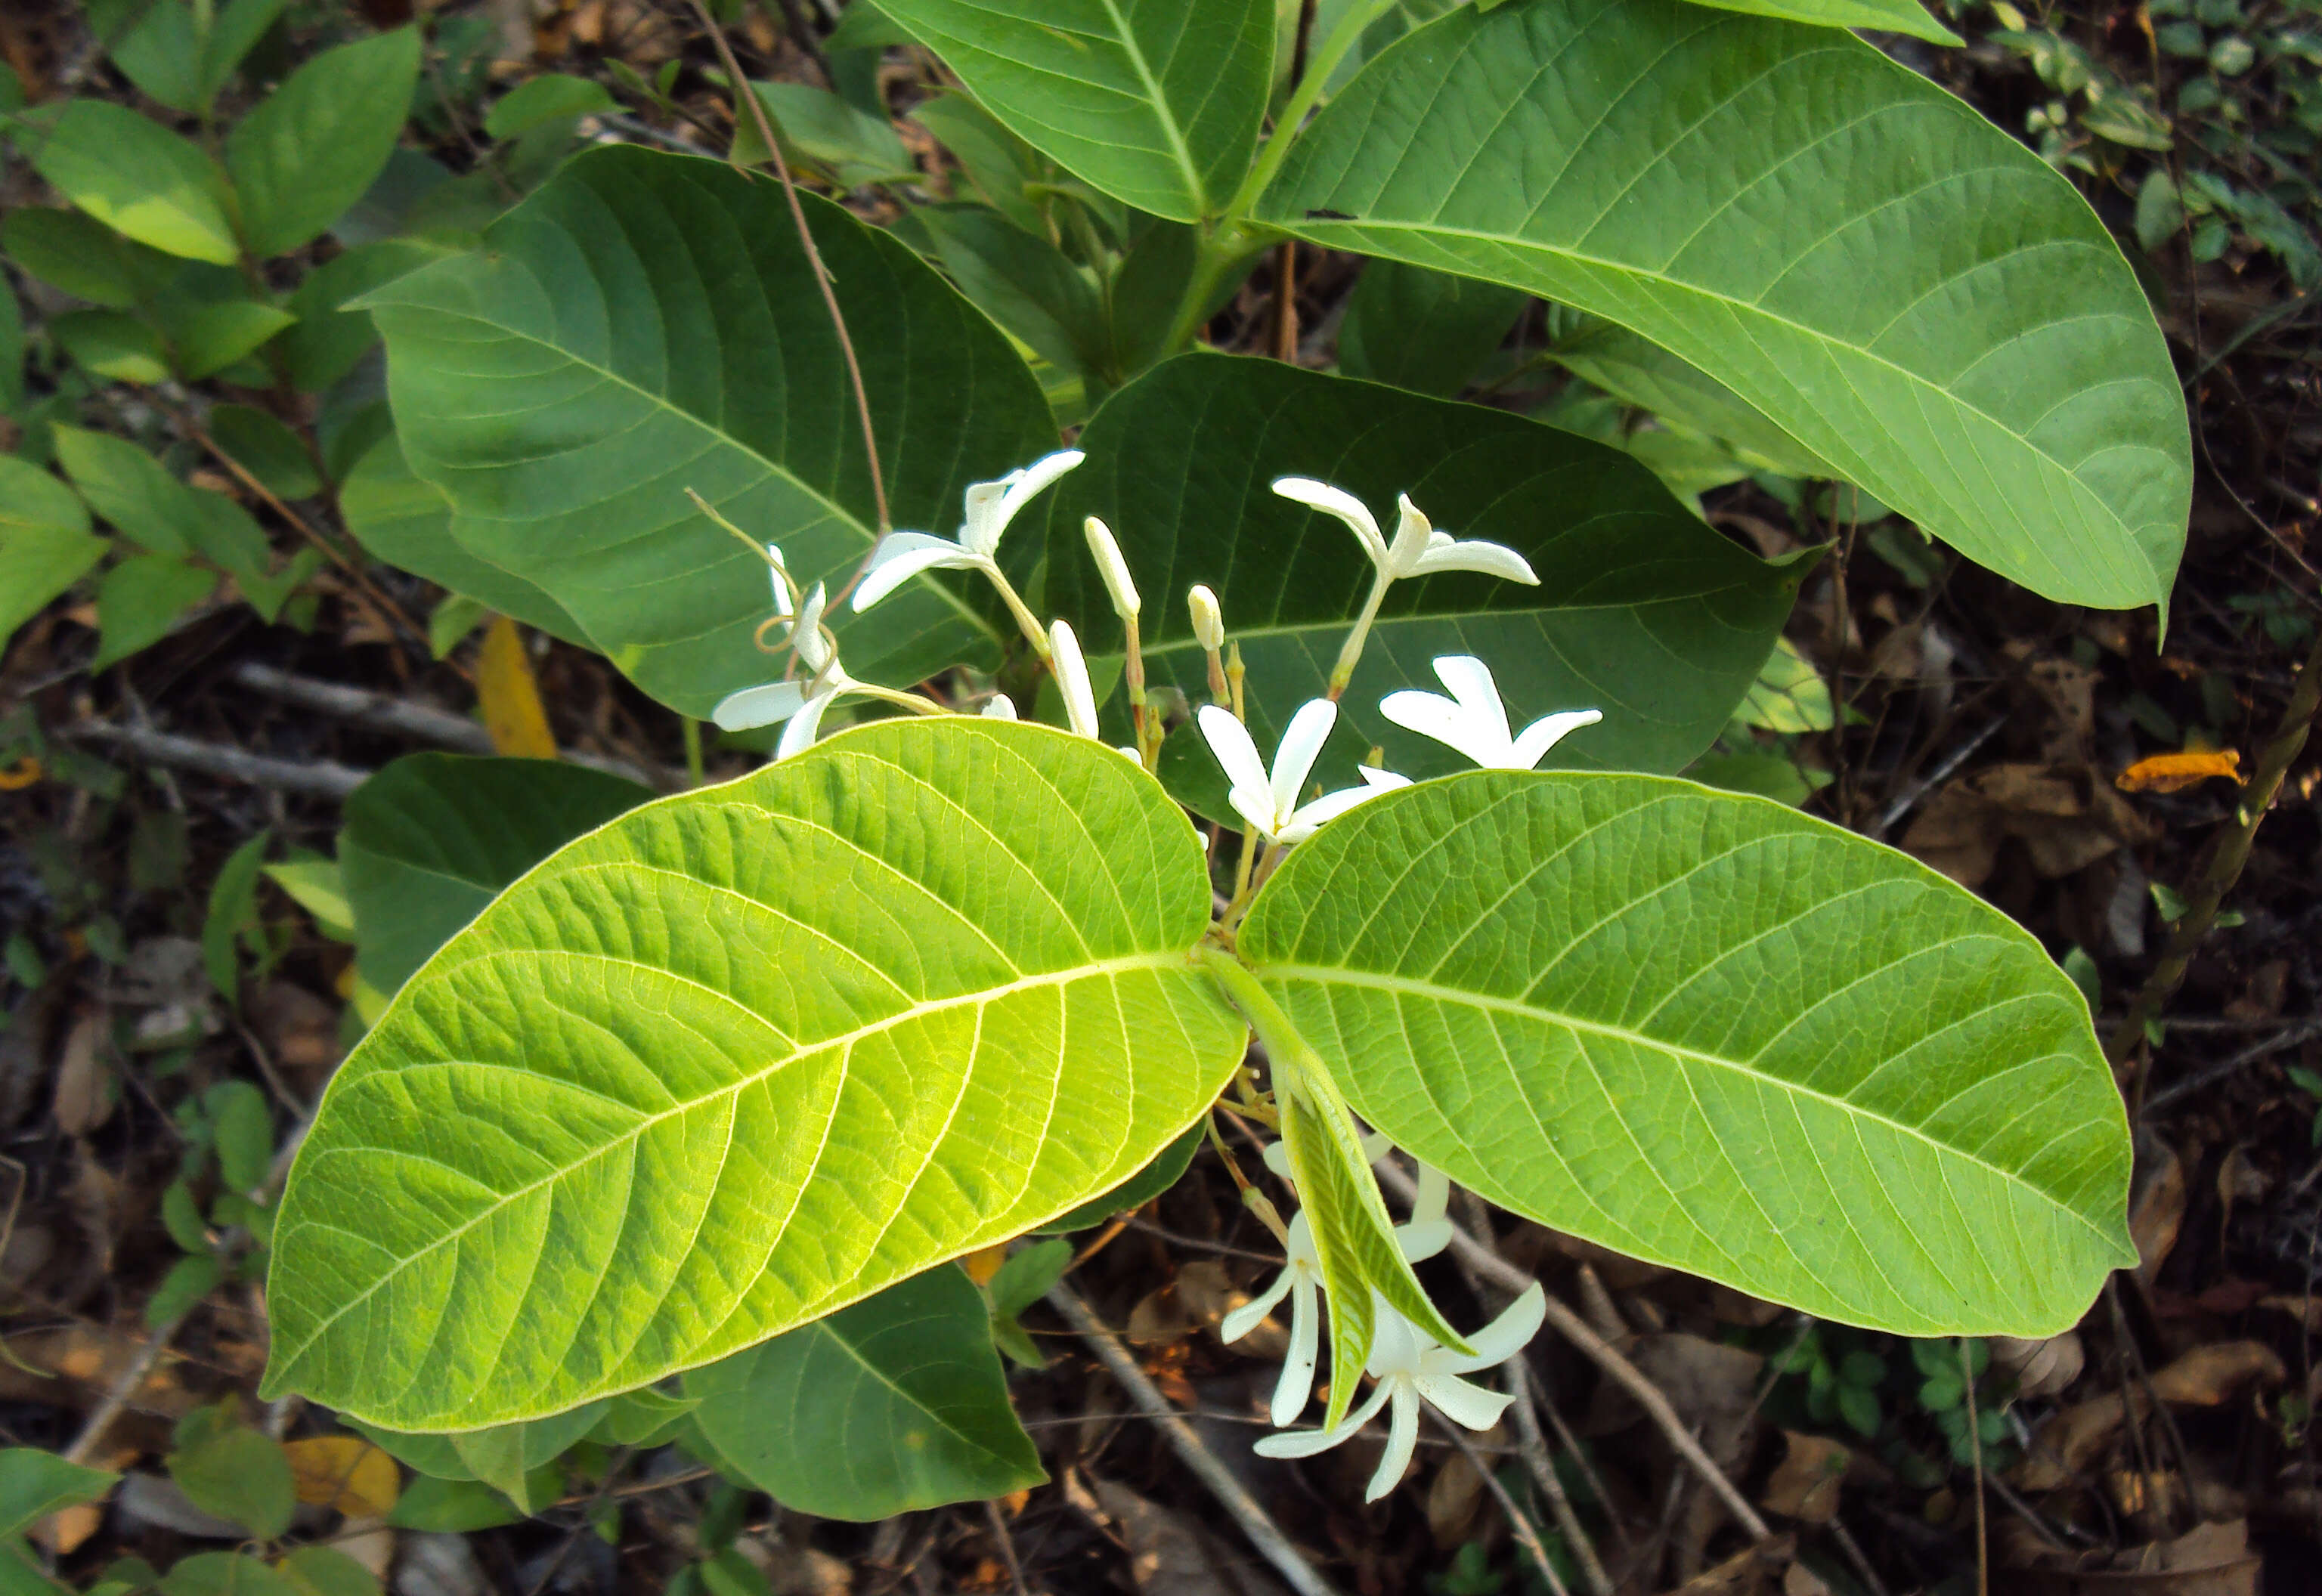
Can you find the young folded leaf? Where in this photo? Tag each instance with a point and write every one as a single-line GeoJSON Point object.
{"type": "Point", "coordinates": [1711, 1032]}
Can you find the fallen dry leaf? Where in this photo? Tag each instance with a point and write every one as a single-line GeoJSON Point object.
{"type": "Point", "coordinates": [1805, 1483]}
{"type": "Point", "coordinates": [84, 1096]}
{"type": "Point", "coordinates": [2064, 1447]}
{"type": "Point", "coordinates": [2174, 772]}
{"type": "Point", "coordinates": [508, 696]}
{"type": "Point", "coordinates": [1171, 1553]}
{"type": "Point", "coordinates": [65, 1530]}
{"type": "Point", "coordinates": [2156, 1210]}
{"type": "Point", "coordinates": [1747, 1573]}
{"type": "Point", "coordinates": [2209, 1376]}
{"type": "Point", "coordinates": [2042, 1368]}
{"type": "Point", "coordinates": [2066, 815]}
{"type": "Point", "coordinates": [345, 1473]}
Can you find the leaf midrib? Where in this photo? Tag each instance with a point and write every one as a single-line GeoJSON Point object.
{"type": "Point", "coordinates": [1740, 308]}
{"type": "Point", "coordinates": [900, 1394]}
{"type": "Point", "coordinates": [1195, 188]}
{"type": "Point", "coordinates": [981, 998]}
{"type": "Point", "coordinates": [839, 512]}
{"type": "Point", "coordinates": [1403, 986]}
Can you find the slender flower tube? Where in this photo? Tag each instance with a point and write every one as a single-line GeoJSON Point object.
{"type": "Point", "coordinates": [1475, 722]}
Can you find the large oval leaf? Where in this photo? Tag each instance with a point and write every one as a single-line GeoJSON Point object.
{"type": "Point", "coordinates": [1641, 610]}
{"type": "Point", "coordinates": [1711, 1032]}
{"type": "Point", "coordinates": [648, 322]}
{"type": "Point", "coordinates": [1895, 282]}
{"type": "Point", "coordinates": [1154, 102]}
{"type": "Point", "coordinates": [742, 1057]}
{"type": "Point", "coordinates": [896, 1403]}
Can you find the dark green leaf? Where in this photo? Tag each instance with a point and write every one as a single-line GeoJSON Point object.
{"type": "Point", "coordinates": [189, 1279]}
{"type": "Point", "coordinates": [45, 543]}
{"type": "Point", "coordinates": [451, 1507]}
{"type": "Point", "coordinates": [140, 600]}
{"type": "Point", "coordinates": [1893, 16]}
{"type": "Point", "coordinates": [76, 252]}
{"type": "Point", "coordinates": [313, 146]}
{"type": "Point", "coordinates": [433, 838]}
{"type": "Point", "coordinates": [328, 342]}
{"type": "Point", "coordinates": [996, 163]}
{"type": "Point", "coordinates": [35, 1484]}
{"type": "Point", "coordinates": [225, 1573]}
{"type": "Point", "coordinates": [1644, 374]}
{"type": "Point", "coordinates": [322, 1570]}
{"type": "Point", "coordinates": [242, 1123]}
{"type": "Point", "coordinates": [1024, 283]}
{"type": "Point", "coordinates": [513, 1457]}
{"type": "Point", "coordinates": [111, 345]}
{"type": "Point", "coordinates": [853, 146]}
{"type": "Point", "coordinates": [1426, 331]}
{"type": "Point", "coordinates": [217, 335]}
{"type": "Point", "coordinates": [550, 98]}
{"type": "Point", "coordinates": [228, 1468]}
{"type": "Point", "coordinates": [233, 906]}
{"type": "Point", "coordinates": [894, 1404]}
{"type": "Point", "coordinates": [266, 449]}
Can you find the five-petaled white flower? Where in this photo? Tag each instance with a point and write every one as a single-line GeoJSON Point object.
{"type": "Point", "coordinates": [991, 506]}
{"type": "Point", "coordinates": [1269, 800]}
{"type": "Point", "coordinates": [1409, 1369]}
{"type": "Point", "coordinates": [1475, 722]}
{"type": "Point", "coordinates": [1418, 549]}
{"type": "Point", "coordinates": [800, 703]}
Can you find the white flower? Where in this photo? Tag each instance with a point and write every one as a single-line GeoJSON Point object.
{"type": "Point", "coordinates": [1409, 1369]}
{"type": "Point", "coordinates": [991, 506]}
{"type": "Point", "coordinates": [800, 703]}
{"type": "Point", "coordinates": [1475, 722]}
{"type": "Point", "coordinates": [1073, 682]}
{"type": "Point", "coordinates": [1301, 1280]}
{"type": "Point", "coordinates": [1418, 549]}
{"type": "Point", "coordinates": [1428, 1233]}
{"type": "Point", "coordinates": [1269, 801]}
{"type": "Point", "coordinates": [1106, 551]}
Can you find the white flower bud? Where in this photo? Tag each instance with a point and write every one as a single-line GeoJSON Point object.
{"type": "Point", "coordinates": [1209, 620]}
{"type": "Point", "coordinates": [1113, 567]}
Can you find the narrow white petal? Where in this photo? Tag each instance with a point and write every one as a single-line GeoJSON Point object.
{"type": "Point", "coordinates": [978, 534]}
{"type": "Point", "coordinates": [1503, 1338]}
{"type": "Point", "coordinates": [1339, 502]}
{"type": "Point", "coordinates": [1384, 780]}
{"type": "Point", "coordinates": [1376, 1144]}
{"type": "Point", "coordinates": [1434, 1199]}
{"type": "Point", "coordinates": [1073, 678]}
{"type": "Point", "coordinates": [1278, 1159]}
{"type": "Point", "coordinates": [1396, 1343]}
{"type": "Point", "coordinates": [1256, 806]}
{"type": "Point", "coordinates": [1493, 560]}
{"type": "Point", "coordinates": [1307, 1443]}
{"type": "Point", "coordinates": [1021, 487]}
{"type": "Point", "coordinates": [1000, 707]}
{"type": "Point", "coordinates": [1477, 693]}
{"type": "Point", "coordinates": [1295, 1389]}
{"type": "Point", "coordinates": [1421, 1239]}
{"type": "Point", "coordinates": [1313, 817]}
{"type": "Point", "coordinates": [816, 651]}
{"type": "Point", "coordinates": [1535, 740]}
{"type": "Point", "coordinates": [902, 555]}
{"type": "Point", "coordinates": [1301, 746]}
{"type": "Point", "coordinates": [1471, 1405]}
{"type": "Point", "coordinates": [778, 581]}
{"type": "Point", "coordinates": [805, 725]}
{"type": "Point", "coordinates": [1432, 715]}
{"type": "Point", "coordinates": [759, 706]}
{"type": "Point", "coordinates": [1413, 534]}
{"type": "Point", "coordinates": [1401, 1436]}
{"type": "Point", "coordinates": [1229, 739]}
{"type": "Point", "coordinates": [1251, 1314]}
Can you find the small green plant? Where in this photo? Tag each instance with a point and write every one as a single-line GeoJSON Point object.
{"type": "Point", "coordinates": [2310, 1083]}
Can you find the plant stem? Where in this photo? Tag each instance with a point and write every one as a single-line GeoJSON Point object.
{"type": "Point", "coordinates": [743, 93]}
{"type": "Point", "coordinates": [2230, 852]}
{"type": "Point", "coordinates": [693, 767]}
{"type": "Point", "coordinates": [1341, 39]}
{"type": "Point", "coordinates": [1351, 652]}
{"type": "Point", "coordinates": [1222, 250]}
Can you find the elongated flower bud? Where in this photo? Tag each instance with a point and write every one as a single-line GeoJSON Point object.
{"type": "Point", "coordinates": [1113, 567]}
{"type": "Point", "coordinates": [1209, 620]}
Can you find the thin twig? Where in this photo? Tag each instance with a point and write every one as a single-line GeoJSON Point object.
{"type": "Point", "coordinates": [1519, 1521]}
{"type": "Point", "coordinates": [745, 94]}
{"type": "Point", "coordinates": [321, 778]}
{"type": "Point", "coordinates": [1532, 1448]}
{"type": "Point", "coordinates": [1975, 1454]}
{"type": "Point", "coordinates": [1239, 1505]}
{"type": "Point", "coordinates": [1625, 1374]}
{"type": "Point", "coordinates": [1910, 796]}
{"type": "Point", "coordinates": [124, 1386]}
{"type": "Point", "coordinates": [1007, 1545]}
{"type": "Point", "coordinates": [2280, 1041]}
{"type": "Point", "coordinates": [2230, 852]}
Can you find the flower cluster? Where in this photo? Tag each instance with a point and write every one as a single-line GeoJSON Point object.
{"type": "Point", "coordinates": [1408, 1367]}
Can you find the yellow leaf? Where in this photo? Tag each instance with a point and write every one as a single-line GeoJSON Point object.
{"type": "Point", "coordinates": [20, 775]}
{"type": "Point", "coordinates": [509, 696]}
{"type": "Point", "coordinates": [984, 1263]}
{"type": "Point", "coordinates": [346, 1472]}
{"type": "Point", "coordinates": [2174, 772]}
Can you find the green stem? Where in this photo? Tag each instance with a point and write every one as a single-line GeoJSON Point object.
{"type": "Point", "coordinates": [693, 767]}
{"type": "Point", "coordinates": [1351, 652]}
{"type": "Point", "coordinates": [1230, 246]}
{"type": "Point", "coordinates": [1285, 1049]}
{"type": "Point", "coordinates": [1319, 67]}
{"type": "Point", "coordinates": [1033, 631]}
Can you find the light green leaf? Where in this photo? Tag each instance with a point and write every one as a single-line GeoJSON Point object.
{"type": "Point", "coordinates": [225, 1574]}
{"type": "Point", "coordinates": [109, 344]}
{"type": "Point", "coordinates": [1642, 611]}
{"type": "Point", "coordinates": [323, 1571]}
{"type": "Point", "coordinates": [1711, 1033]}
{"type": "Point", "coordinates": [1790, 694]}
{"type": "Point", "coordinates": [140, 599]}
{"type": "Point", "coordinates": [1893, 16]}
{"type": "Point", "coordinates": [189, 1281]}
{"type": "Point", "coordinates": [34, 1483]}
{"type": "Point", "coordinates": [45, 543]}
{"type": "Point", "coordinates": [315, 145]}
{"type": "Point", "coordinates": [894, 1404]}
{"type": "Point", "coordinates": [451, 1507]}
{"type": "Point", "coordinates": [1134, 1192]}
{"type": "Point", "coordinates": [648, 322]}
{"type": "Point", "coordinates": [242, 1124]}
{"type": "Point", "coordinates": [217, 335]}
{"type": "Point", "coordinates": [129, 488]}
{"type": "Point", "coordinates": [1902, 287]}
{"type": "Point", "coordinates": [230, 1470]}
{"type": "Point", "coordinates": [645, 1417]}
{"type": "Point", "coordinates": [1426, 331]}
{"type": "Point", "coordinates": [232, 904]}
{"type": "Point", "coordinates": [742, 1057]}
{"type": "Point", "coordinates": [1640, 372]}
{"type": "Point", "coordinates": [407, 523]}
{"type": "Point", "coordinates": [433, 838]}
{"type": "Point", "coordinates": [163, 49]}
{"type": "Point", "coordinates": [234, 33]}
{"type": "Point", "coordinates": [853, 146]}
{"type": "Point", "coordinates": [550, 98]}
{"type": "Point", "coordinates": [508, 1456]}
{"type": "Point", "coordinates": [1154, 102]}
{"type": "Point", "coordinates": [136, 177]}
{"type": "Point", "coordinates": [313, 884]}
